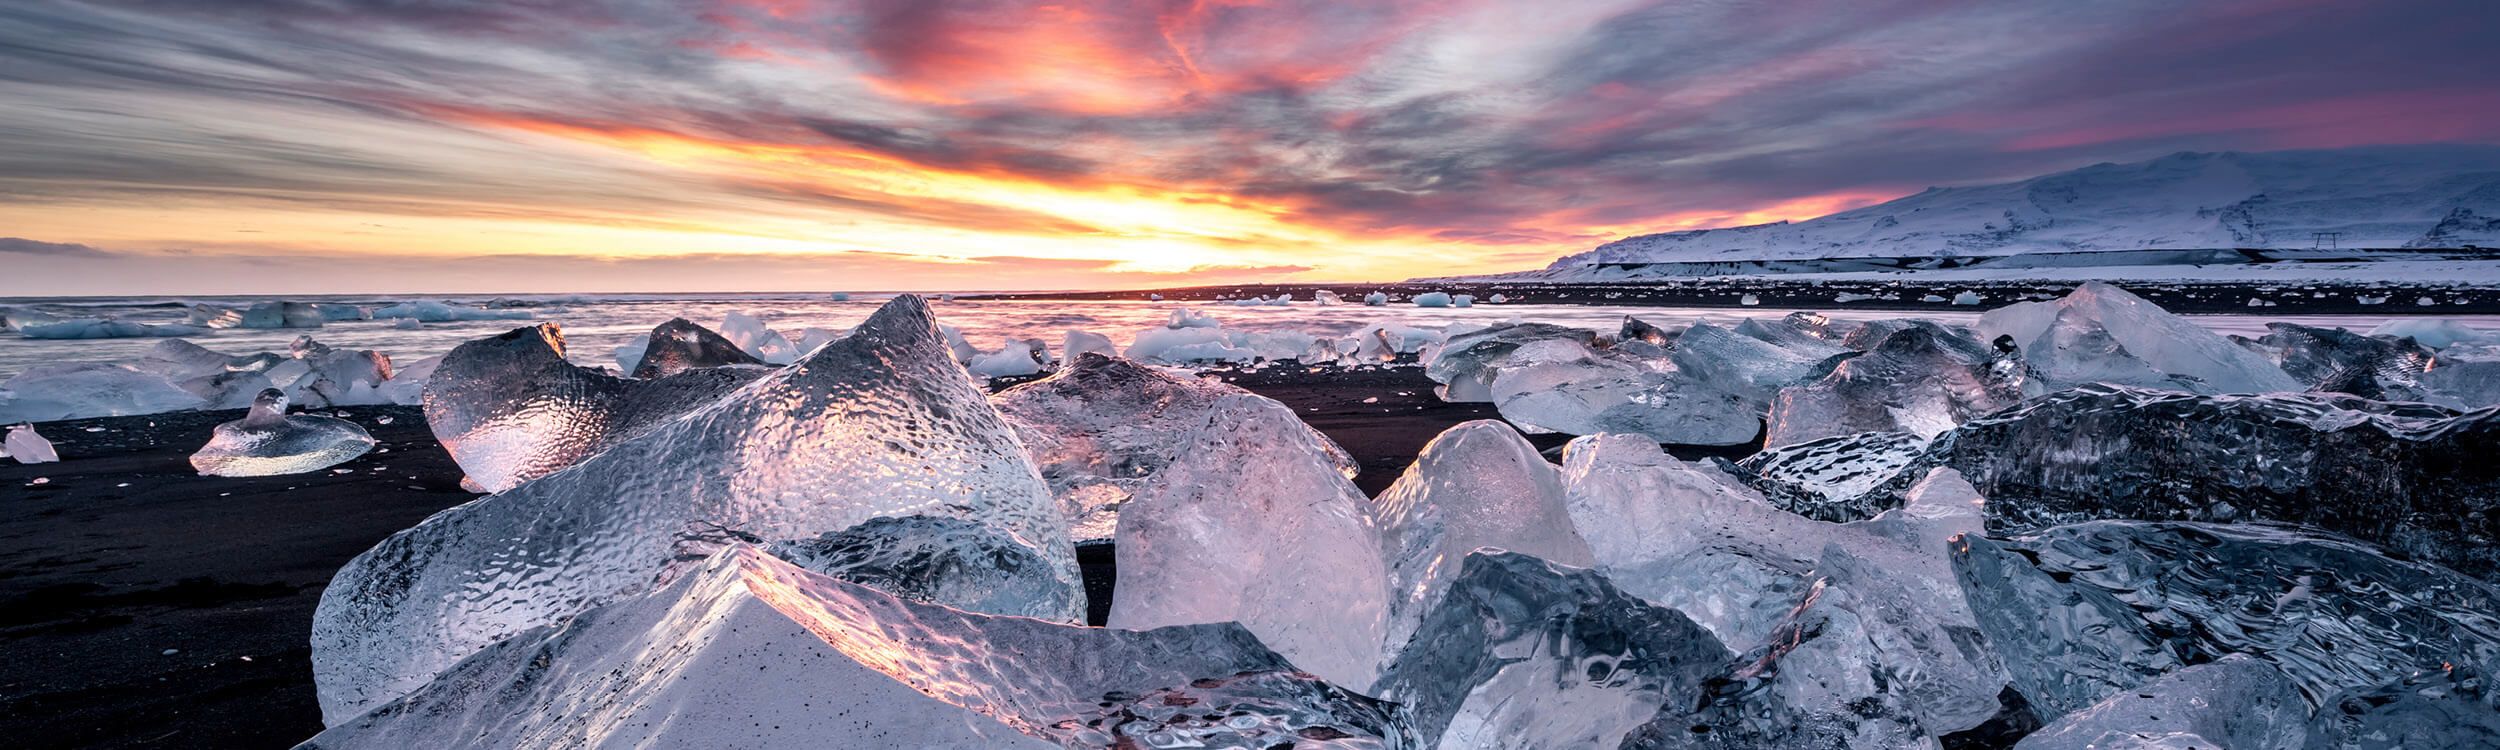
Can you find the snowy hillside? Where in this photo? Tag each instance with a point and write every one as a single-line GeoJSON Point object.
{"type": "Point", "coordinates": [2377, 197]}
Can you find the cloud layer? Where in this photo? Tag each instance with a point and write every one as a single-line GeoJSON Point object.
{"type": "Point", "coordinates": [1147, 141]}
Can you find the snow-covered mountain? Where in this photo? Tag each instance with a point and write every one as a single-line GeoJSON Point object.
{"type": "Point", "coordinates": [2442, 196]}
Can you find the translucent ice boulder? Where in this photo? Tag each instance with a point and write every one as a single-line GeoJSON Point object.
{"type": "Point", "coordinates": [1015, 359]}
{"type": "Point", "coordinates": [1838, 479]}
{"type": "Point", "coordinates": [221, 381]}
{"type": "Point", "coordinates": [1466, 364]}
{"type": "Point", "coordinates": [1922, 380]}
{"type": "Point", "coordinates": [2232, 703]}
{"type": "Point", "coordinates": [2457, 705]}
{"type": "Point", "coordinates": [934, 559]}
{"type": "Point", "coordinates": [2100, 333]}
{"type": "Point", "coordinates": [1103, 429]}
{"type": "Point", "coordinates": [1432, 299]}
{"type": "Point", "coordinates": [1254, 522]}
{"type": "Point", "coordinates": [48, 392]}
{"type": "Point", "coordinates": [749, 651]}
{"type": "Point", "coordinates": [1562, 386]}
{"type": "Point", "coordinates": [267, 442]}
{"type": "Point", "coordinates": [2085, 611]}
{"type": "Point", "coordinates": [2436, 333]}
{"type": "Point", "coordinates": [105, 328]}
{"type": "Point", "coordinates": [1478, 484]}
{"type": "Point", "coordinates": [1818, 682]}
{"type": "Point", "coordinates": [680, 345]}
{"type": "Point", "coordinates": [337, 377]}
{"type": "Point", "coordinates": [751, 335]}
{"type": "Point", "coordinates": [24, 446]}
{"type": "Point", "coordinates": [1521, 653]}
{"type": "Point", "coordinates": [2340, 361]}
{"type": "Point", "coordinates": [510, 408]}
{"type": "Point", "coordinates": [429, 311]}
{"type": "Point", "coordinates": [879, 424]}
{"type": "Point", "coordinates": [282, 315]}
{"type": "Point", "coordinates": [1747, 366]}
{"type": "Point", "coordinates": [1080, 343]}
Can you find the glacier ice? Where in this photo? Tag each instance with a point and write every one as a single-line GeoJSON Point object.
{"type": "Point", "coordinates": [749, 333]}
{"type": "Point", "coordinates": [1080, 343]}
{"type": "Point", "coordinates": [25, 446]}
{"type": "Point", "coordinates": [1326, 298]}
{"type": "Point", "coordinates": [336, 377]}
{"type": "Point", "coordinates": [1466, 364]}
{"type": "Point", "coordinates": [882, 423]}
{"type": "Point", "coordinates": [1838, 479]}
{"type": "Point", "coordinates": [276, 314]}
{"type": "Point", "coordinates": [2411, 477]}
{"type": "Point", "coordinates": [104, 328]}
{"type": "Point", "coordinates": [1376, 299]}
{"type": "Point", "coordinates": [1521, 653]}
{"type": "Point", "coordinates": [748, 651]}
{"type": "Point", "coordinates": [2340, 361]}
{"type": "Point", "coordinates": [1816, 684]}
{"type": "Point", "coordinates": [268, 442]}
{"type": "Point", "coordinates": [2083, 611]}
{"type": "Point", "coordinates": [2436, 333]}
{"type": "Point", "coordinates": [1558, 385]}
{"type": "Point", "coordinates": [1922, 379]}
{"type": "Point", "coordinates": [2464, 376]}
{"type": "Point", "coordinates": [1477, 484]}
{"type": "Point", "coordinates": [2100, 333]}
{"type": "Point", "coordinates": [2233, 703]}
{"type": "Point", "coordinates": [2454, 706]}
{"type": "Point", "coordinates": [1432, 299]}
{"type": "Point", "coordinates": [509, 408]}
{"type": "Point", "coordinates": [1015, 359]}
{"type": "Point", "coordinates": [934, 559]}
{"type": "Point", "coordinates": [1744, 365]}
{"type": "Point", "coordinates": [432, 311]}
{"type": "Point", "coordinates": [1253, 522]}
{"type": "Point", "coordinates": [1103, 429]}
{"type": "Point", "coordinates": [680, 345]}
{"type": "Point", "coordinates": [76, 391]}
{"type": "Point", "coordinates": [220, 380]}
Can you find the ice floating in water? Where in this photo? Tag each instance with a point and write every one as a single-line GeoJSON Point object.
{"type": "Point", "coordinates": [2100, 333]}
{"type": "Point", "coordinates": [510, 408]}
{"type": "Point", "coordinates": [879, 424]}
{"type": "Point", "coordinates": [1478, 484]}
{"type": "Point", "coordinates": [748, 651]}
{"type": "Point", "coordinates": [267, 442]}
{"type": "Point", "coordinates": [2085, 611]}
{"type": "Point", "coordinates": [1921, 380]}
{"type": "Point", "coordinates": [48, 392]}
{"type": "Point", "coordinates": [2232, 703]}
{"type": "Point", "coordinates": [24, 446]}
{"type": "Point", "coordinates": [1253, 522]}
{"type": "Point", "coordinates": [680, 345]}
{"type": "Point", "coordinates": [104, 328]}
{"type": "Point", "coordinates": [1103, 429]}
{"type": "Point", "coordinates": [443, 312]}
{"type": "Point", "coordinates": [1524, 654]}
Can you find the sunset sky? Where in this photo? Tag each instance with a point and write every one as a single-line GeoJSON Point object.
{"type": "Point", "coordinates": [228, 146]}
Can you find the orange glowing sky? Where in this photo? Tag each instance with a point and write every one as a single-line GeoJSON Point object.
{"type": "Point", "coordinates": [226, 146]}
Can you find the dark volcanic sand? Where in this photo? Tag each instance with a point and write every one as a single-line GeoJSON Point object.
{"type": "Point", "coordinates": [98, 580]}
{"type": "Point", "coordinates": [1905, 293]}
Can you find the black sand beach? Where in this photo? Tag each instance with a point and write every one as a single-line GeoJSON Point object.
{"type": "Point", "coordinates": [1904, 292]}
{"type": "Point", "coordinates": [124, 553]}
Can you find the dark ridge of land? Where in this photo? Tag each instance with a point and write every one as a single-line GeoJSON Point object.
{"type": "Point", "coordinates": [1906, 293]}
{"type": "Point", "coordinates": [123, 553]}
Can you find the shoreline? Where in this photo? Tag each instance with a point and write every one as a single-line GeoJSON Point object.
{"type": "Point", "coordinates": [2291, 296]}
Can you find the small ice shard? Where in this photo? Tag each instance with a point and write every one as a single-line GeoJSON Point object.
{"type": "Point", "coordinates": [268, 442]}
{"type": "Point", "coordinates": [1077, 344]}
{"type": "Point", "coordinates": [2084, 611]}
{"type": "Point", "coordinates": [749, 334]}
{"type": "Point", "coordinates": [1497, 298]}
{"type": "Point", "coordinates": [510, 408]}
{"type": "Point", "coordinates": [840, 297]}
{"type": "Point", "coordinates": [1254, 522]}
{"type": "Point", "coordinates": [1383, 342]}
{"type": "Point", "coordinates": [1968, 298]}
{"type": "Point", "coordinates": [1521, 653]}
{"type": "Point", "coordinates": [1185, 319]}
{"type": "Point", "coordinates": [1478, 484]}
{"type": "Point", "coordinates": [2410, 477]}
{"type": "Point", "coordinates": [1466, 364]}
{"type": "Point", "coordinates": [1921, 380]}
{"type": "Point", "coordinates": [104, 328]}
{"type": "Point", "coordinates": [2456, 706]}
{"type": "Point", "coordinates": [2232, 703]}
{"type": "Point", "coordinates": [879, 424]}
{"type": "Point", "coordinates": [2339, 361]}
{"type": "Point", "coordinates": [1376, 299]}
{"type": "Point", "coordinates": [1749, 300]}
{"type": "Point", "coordinates": [444, 312]}
{"type": "Point", "coordinates": [1103, 429]}
{"type": "Point", "coordinates": [24, 446]}
{"type": "Point", "coordinates": [2436, 333]}
{"type": "Point", "coordinates": [2100, 333]}
{"type": "Point", "coordinates": [1432, 299]}
{"type": "Point", "coordinates": [45, 393]}
{"type": "Point", "coordinates": [1326, 298]}
{"type": "Point", "coordinates": [680, 345]}
{"type": "Point", "coordinates": [1837, 479]}
{"type": "Point", "coordinates": [936, 560]}
{"type": "Point", "coordinates": [749, 651]}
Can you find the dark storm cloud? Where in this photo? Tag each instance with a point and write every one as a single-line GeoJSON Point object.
{"type": "Point", "coordinates": [23, 246]}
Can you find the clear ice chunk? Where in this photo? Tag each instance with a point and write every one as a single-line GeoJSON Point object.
{"type": "Point", "coordinates": [1466, 364]}
{"type": "Point", "coordinates": [680, 345]}
{"type": "Point", "coordinates": [25, 446]}
{"type": "Point", "coordinates": [1103, 429]}
{"type": "Point", "coordinates": [2455, 706]}
{"type": "Point", "coordinates": [1744, 365]}
{"type": "Point", "coordinates": [749, 333]}
{"type": "Point", "coordinates": [510, 409]}
{"type": "Point", "coordinates": [2232, 703]}
{"type": "Point", "coordinates": [1477, 484]}
{"type": "Point", "coordinates": [44, 393]}
{"type": "Point", "coordinates": [2339, 361]}
{"type": "Point", "coordinates": [1817, 684]}
{"type": "Point", "coordinates": [267, 442]}
{"type": "Point", "coordinates": [934, 559]}
{"type": "Point", "coordinates": [749, 651]}
{"type": "Point", "coordinates": [1922, 379]}
{"type": "Point", "coordinates": [1562, 386]}
{"type": "Point", "coordinates": [1521, 653]}
{"type": "Point", "coordinates": [878, 424]}
{"type": "Point", "coordinates": [336, 377]}
{"type": "Point", "coordinates": [2085, 611]}
{"type": "Point", "coordinates": [2100, 333]}
{"type": "Point", "coordinates": [1837, 479]}
{"type": "Point", "coordinates": [1254, 522]}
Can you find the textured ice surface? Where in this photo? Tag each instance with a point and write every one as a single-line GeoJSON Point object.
{"type": "Point", "coordinates": [1562, 386]}
{"type": "Point", "coordinates": [509, 408]}
{"type": "Point", "coordinates": [2100, 333]}
{"type": "Point", "coordinates": [750, 334]}
{"type": "Point", "coordinates": [934, 559]}
{"type": "Point", "coordinates": [1080, 343]}
{"type": "Point", "coordinates": [221, 381]}
{"type": "Point", "coordinates": [2410, 477]}
{"type": "Point", "coordinates": [1478, 484]}
{"type": "Point", "coordinates": [407, 384]}
{"type": "Point", "coordinates": [24, 446]}
{"type": "Point", "coordinates": [1744, 365]}
{"type": "Point", "coordinates": [1102, 429]}
{"type": "Point", "coordinates": [1015, 359]}
{"type": "Point", "coordinates": [48, 392]}
{"type": "Point", "coordinates": [2436, 333]}
{"type": "Point", "coordinates": [1466, 364]}
{"type": "Point", "coordinates": [267, 442]}
{"type": "Point", "coordinates": [104, 328]}
{"type": "Point", "coordinates": [275, 314]}
{"type": "Point", "coordinates": [1254, 522]}
{"type": "Point", "coordinates": [749, 651]}
{"type": "Point", "coordinates": [1838, 479]}
{"type": "Point", "coordinates": [2456, 706]}
{"type": "Point", "coordinates": [1922, 379]}
{"type": "Point", "coordinates": [1690, 537]}
{"type": "Point", "coordinates": [1521, 653]}
{"type": "Point", "coordinates": [336, 377]}
{"type": "Point", "coordinates": [2233, 703]}
{"type": "Point", "coordinates": [2340, 361]}
{"type": "Point", "coordinates": [680, 345]}
{"type": "Point", "coordinates": [2084, 611]}
{"type": "Point", "coordinates": [1817, 684]}
{"type": "Point", "coordinates": [878, 424]}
